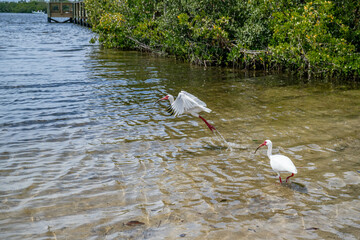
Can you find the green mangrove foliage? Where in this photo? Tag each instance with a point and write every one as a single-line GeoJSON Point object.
{"type": "Point", "coordinates": [315, 38]}
{"type": "Point", "coordinates": [310, 37]}
{"type": "Point", "coordinates": [23, 7]}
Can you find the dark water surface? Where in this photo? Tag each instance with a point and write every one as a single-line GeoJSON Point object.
{"type": "Point", "coordinates": [84, 151]}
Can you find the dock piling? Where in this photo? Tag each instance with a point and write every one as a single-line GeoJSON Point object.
{"type": "Point", "coordinates": [74, 12]}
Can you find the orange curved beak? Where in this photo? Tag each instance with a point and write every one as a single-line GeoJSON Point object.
{"type": "Point", "coordinates": [263, 144]}
{"type": "Point", "coordinates": [164, 98]}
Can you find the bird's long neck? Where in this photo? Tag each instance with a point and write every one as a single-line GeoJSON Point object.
{"type": "Point", "coordinates": [171, 99]}
{"type": "Point", "coordinates": [269, 151]}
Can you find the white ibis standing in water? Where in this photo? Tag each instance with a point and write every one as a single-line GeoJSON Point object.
{"type": "Point", "coordinates": [187, 103]}
{"type": "Point", "coordinates": [279, 163]}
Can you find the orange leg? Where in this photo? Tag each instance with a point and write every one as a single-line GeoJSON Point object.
{"type": "Point", "coordinates": [289, 177]}
{"type": "Point", "coordinates": [211, 127]}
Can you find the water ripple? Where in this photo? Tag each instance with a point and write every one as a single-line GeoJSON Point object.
{"type": "Point", "coordinates": [84, 150]}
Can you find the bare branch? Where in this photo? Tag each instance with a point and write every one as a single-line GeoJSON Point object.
{"type": "Point", "coordinates": [146, 47]}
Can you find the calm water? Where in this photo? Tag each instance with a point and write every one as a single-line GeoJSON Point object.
{"type": "Point", "coordinates": [84, 151]}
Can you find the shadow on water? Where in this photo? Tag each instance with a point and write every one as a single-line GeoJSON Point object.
{"type": "Point", "coordinates": [286, 80]}
{"type": "Point", "coordinates": [298, 187]}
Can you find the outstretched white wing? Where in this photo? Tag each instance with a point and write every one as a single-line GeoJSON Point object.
{"type": "Point", "coordinates": [188, 103]}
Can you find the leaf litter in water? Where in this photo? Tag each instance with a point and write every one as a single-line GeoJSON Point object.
{"type": "Point", "coordinates": [312, 228]}
{"type": "Point", "coordinates": [134, 223]}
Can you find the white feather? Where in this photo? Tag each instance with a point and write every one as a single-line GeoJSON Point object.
{"type": "Point", "coordinates": [188, 103]}
{"type": "Point", "coordinates": [281, 163]}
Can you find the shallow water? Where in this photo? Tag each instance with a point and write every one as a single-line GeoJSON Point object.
{"type": "Point", "coordinates": [84, 150]}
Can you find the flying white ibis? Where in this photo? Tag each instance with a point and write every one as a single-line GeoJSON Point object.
{"type": "Point", "coordinates": [187, 103]}
{"type": "Point", "coordinates": [279, 163]}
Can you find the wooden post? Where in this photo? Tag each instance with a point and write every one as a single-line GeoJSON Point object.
{"type": "Point", "coordinates": [87, 24]}
{"type": "Point", "coordinates": [82, 14]}
{"type": "Point", "coordinates": [48, 13]}
{"type": "Point", "coordinates": [75, 12]}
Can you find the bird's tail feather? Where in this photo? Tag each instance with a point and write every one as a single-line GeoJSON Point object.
{"type": "Point", "coordinates": [208, 110]}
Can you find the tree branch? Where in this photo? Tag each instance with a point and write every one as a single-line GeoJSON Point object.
{"type": "Point", "coordinates": [146, 47]}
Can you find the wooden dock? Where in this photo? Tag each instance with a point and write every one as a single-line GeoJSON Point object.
{"type": "Point", "coordinates": [72, 12]}
{"type": "Point", "coordinates": [80, 14]}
